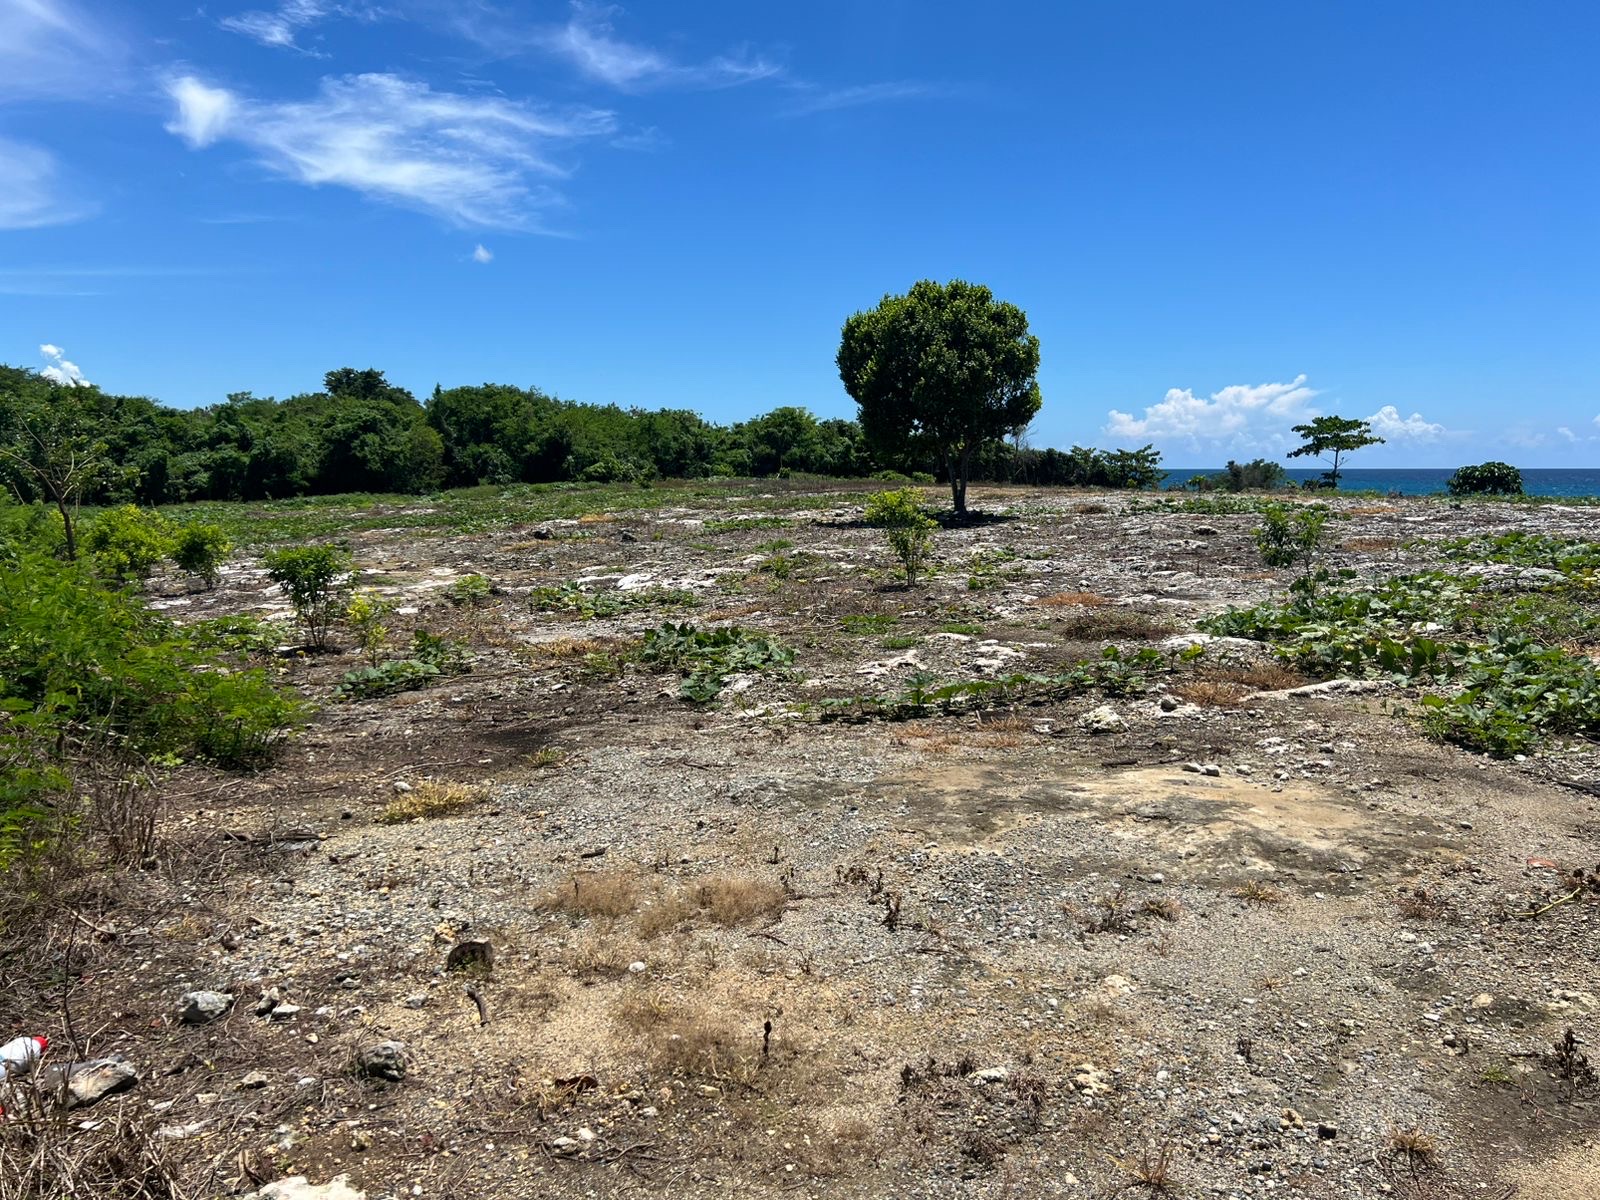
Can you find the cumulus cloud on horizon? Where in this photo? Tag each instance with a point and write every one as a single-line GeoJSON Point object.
{"type": "Point", "coordinates": [1251, 418]}
{"type": "Point", "coordinates": [59, 368]}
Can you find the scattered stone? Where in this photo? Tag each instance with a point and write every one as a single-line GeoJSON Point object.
{"type": "Point", "coordinates": [1327, 1131]}
{"type": "Point", "coordinates": [419, 1000]}
{"type": "Point", "coordinates": [386, 1060]}
{"type": "Point", "coordinates": [637, 968]}
{"type": "Point", "coordinates": [298, 1187]}
{"type": "Point", "coordinates": [470, 956]}
{"type": "Point", "coordinates": [990, 1075]}
{"type": "Point", "coordinates": [285, 1012]}
{"type": "Point", "coordinates": [203, 1007]}
{"type": "Point", "coordinates": [1168, 703]}
{"type": "Point", "coordinates": [1117, 985]}
{"type": "Point", "coordinates": [1091, 1080]}
{"type": "Point", "coordinates": [90, 1082]}
{"type": "Point", "coordinates": [256, 1079]}
{"type": "Point", "coordinates": [1104, 719]}
{"type": "Point", "coordinates": [270, 1000]}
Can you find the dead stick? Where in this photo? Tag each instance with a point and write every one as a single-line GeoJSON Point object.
{"type": "Point", "coordinates": [1572, 895]}
{"type": "Point", "coordinates": [483, 1009]}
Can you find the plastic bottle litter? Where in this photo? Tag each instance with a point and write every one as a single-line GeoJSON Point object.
{"type": "Point", "coordinates": [18, 1056]}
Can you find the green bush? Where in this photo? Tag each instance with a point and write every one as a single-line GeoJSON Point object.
{"type": "Point", "coordinates": [471, 591]}
{"type": "Point", "coordinates": [1486, 479]}
{"type": "Point", "coordinates": [907, 528]}
{"type": "Point", "coordinates": [201, 550]}
{"type": "Point", "coordinates": [87, 671]}
{"type": "Point", "coordinates": [127, 542]}
{"type": "Point", "coordinates": [364, 615]}
{"type": "Point", "coordinates": [316, 581]}
{"type": "Point", "coordinates": [1286, 538]}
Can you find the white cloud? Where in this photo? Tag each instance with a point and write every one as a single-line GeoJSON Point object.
{"type": "Point", "coordinates": [481, 254]}
{"type": "Point", "coordinates": [818, 100]}
{"type": "Point", "coordinates": [279, 27]}
{"type": "Point", "coordinates": [204, 113]}
{"type": "Point", "coordinates": [1244, 416]}
{"type": "Point", "coordinates": [469, 159]}
{"type": "Point", "coordinates": [59, 369]}
{"type": "Point", "coordinates": [31, 192]}
{"type": "Point", "coordinates": [1389, 425]}
{"type": "Point", "coordinates": [54, 48]}
{"type": "Point", "coordinates": [590, 43]}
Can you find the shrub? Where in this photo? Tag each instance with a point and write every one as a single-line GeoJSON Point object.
{"type": "Point", "coordinates": [201, 550]}
{"type": "Point", "coordinates": [315, 579]}
{"type": "Point", "coordinates": [908, 529]}
{"type": "Point", "coordinates": [85, 667]}
{"type": "Point", "coordinates": [364, 615]}
{"type": "Point", "coordinates": [471, 591]}
{"type": "Point", "coordinates": [1486, 479]}
{"type": "Point", "coordinates": [1286, 539]}
{"type": "Point", "coordinates": [128, 542]}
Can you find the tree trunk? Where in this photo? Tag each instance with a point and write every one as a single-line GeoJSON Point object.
{"type": "Point", "coordinates": [958, 466]}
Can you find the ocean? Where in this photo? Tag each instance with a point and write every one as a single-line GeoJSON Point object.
{"type": "Point", "coordinates": [1425, 481]}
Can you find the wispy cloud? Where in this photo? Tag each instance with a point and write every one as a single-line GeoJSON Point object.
{"type": "Point", "coordinates": [820, 100]}
{"type": "Point", "coordinates": [482, 254]}
{"type": "Point", "coordinates": [277, 27]}
{"type": "Point", "coordinates": [474, 160]}
{"type": "Point", "coordinates": [32, 194]}
{"type": "Point", "coordinates": [54, 48]}
{"type": "Point", "coordinates": [1244, 416]}
{"type": "Point", "coordinates": [589, 42]}
{"type": "Point", "coordinates": [58, 368]}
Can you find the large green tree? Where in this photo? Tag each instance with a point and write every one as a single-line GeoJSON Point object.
{"type": "Point", "coordinates": [1333, 438]}
{"type": "Point", "coordinates": [944, 369]}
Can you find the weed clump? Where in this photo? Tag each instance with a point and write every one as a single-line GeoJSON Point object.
{"type": "Point", "coordinates": [430, 798]}
{"type": "Point", "coordinates": [907, 528]}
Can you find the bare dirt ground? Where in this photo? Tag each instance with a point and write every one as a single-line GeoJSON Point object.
{"type": "Point", "coordinates": [1246, 941]}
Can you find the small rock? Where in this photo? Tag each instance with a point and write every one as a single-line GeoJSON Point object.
{"type": "Point", "coordinates": [990, 1075]}
{"type": "Point", "coordinates": [468, 956]}
{"type": "Point", "coordinates": [1117, 985]}
{"type": "Point", "coordinates": [419, 1000]}
{"type": "Point", "coordinates": [285, 1012]}
{"type": "Point", "coordinates": [203, 1007]}
{"type": "Point", "coordinates": [1104, 719]}
{"type": "Point", "coordinates": [386, 1060]}
{"type": "Point", "coordinates": [1168, 703]}
{"type": "Point", "coordinates": [637, 968]}
{"type": "Point", "coordinates": [270, 1000]}
{"type": "Point", "coordinates": [1327, 1130]}
{"type": "Point", "coordinates": [297, 1187]}
{"type": "Point", "coordinates": [256, 1079]}
{"type": "Point", "coordinates": [90, 1082]}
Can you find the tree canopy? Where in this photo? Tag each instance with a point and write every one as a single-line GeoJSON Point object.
{"type": "Point", "coordinates": [944, 369]}
{"type": "Point", "coordinates": [1335, 436]}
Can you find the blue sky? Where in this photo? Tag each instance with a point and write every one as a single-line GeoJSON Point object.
{"type": "Point", "coordinates": [1221, 218]}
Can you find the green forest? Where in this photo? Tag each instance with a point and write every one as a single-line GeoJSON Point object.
{"type": "Point", "coordinates": [361, 433]}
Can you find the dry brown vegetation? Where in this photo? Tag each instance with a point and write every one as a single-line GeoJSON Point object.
{"type": "Point", "coordinates": [1072, 600]}
{"type": "Point", "coordinates": [430, 798]}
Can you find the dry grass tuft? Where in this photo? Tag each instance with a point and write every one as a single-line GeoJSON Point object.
{"type": "Point", "coordinates": [1163, 908]}
{"type": "Point", "coordinates": [691, 1040]}
{"type": "Point", "coordinates": [430, 798]}
{"type": "Point", "coordinates": [1265, 677]}
{"type": "Point", "coordinates": [1151, 1169]}
{"type": "Point", "coordinates": [1413, 1147]}
{"type": "Point", "coordinates": [1371, 545]}
{"type": "Point", "coordinates": [1256, 892]}
{"type": "Point", "coordinates": [562, 649]}
{"type": "Point", "coordinates": [1092, 509]}
{"type": "Point", "coordinates": [594, 894]}
{"type": "Point", "coordinates": [1109, 624]}
{"type": "Point", "coordinates": [721, 899]}
{"type": "Point", "coordinates": [1213, 693]}
{"type": "Point", "coordinates": [1072, 600]}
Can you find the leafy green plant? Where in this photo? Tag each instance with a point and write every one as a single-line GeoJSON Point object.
{"type": "Point", "coordinates": [471, 591]}
{"type": "Point", "coordinates": [569, 597]}
{"type": "Point", "coordinates": [200, 550]}
{"type": "Point", "coordinates": [432, 657]}
{"type": "Point", "coordinates": [1486, 479]}
{"type": "Point", "coordinates": [867, 624]}
{"type": "Point", "coordinates": [364, 616]}
{"type": "Point", "coordinates": [127, 542]}
{"type": "Point", "coordinates": [316, 581]}
{"type": "Point", "coordinates": [1286, 538]}
{"type": "Point", "coordinates": [908, 529]}
{"type": "Point", "coordinates": [706, 657]}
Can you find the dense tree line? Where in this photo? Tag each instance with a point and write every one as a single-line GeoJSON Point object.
{"type": "Point", "coordinates": [361, 433]}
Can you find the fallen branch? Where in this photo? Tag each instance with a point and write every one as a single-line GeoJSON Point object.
{"type": "Point", "coordinates": [1572, 895]}
{"type": "Point", "coordinates": [483, 1009]}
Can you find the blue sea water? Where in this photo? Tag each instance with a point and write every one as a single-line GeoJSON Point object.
{"type": "Point", "coordinates": [1424, 481]}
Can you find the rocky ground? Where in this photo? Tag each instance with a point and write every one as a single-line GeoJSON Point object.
{"type": "Point", "coordinates": [1223, 935]}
